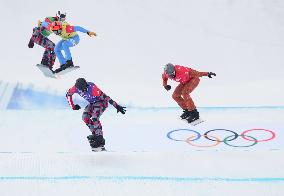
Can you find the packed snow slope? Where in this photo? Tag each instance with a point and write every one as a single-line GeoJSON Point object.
{"type": "Point", "coordinates": [150, 152]}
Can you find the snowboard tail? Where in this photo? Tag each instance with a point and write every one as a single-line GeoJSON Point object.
{"type": "Point", "coordinates": [99, 149]}
{"type": "Point", "coordinates": [48, 73]}
{"type": "Point", "coordinates": [195, 122]}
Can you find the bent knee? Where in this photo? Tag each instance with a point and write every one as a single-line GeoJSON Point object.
{"type": "Point", "coordinates": [86, 118]}
{"type": "Point", "coordinates": [57, 48]}
{"type": "Point", "coordinates": [185, 95]}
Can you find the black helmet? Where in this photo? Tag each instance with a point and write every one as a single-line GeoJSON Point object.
{"type": "Point", "coordinates": [81, 84]}
{"type": "Point", "coordinates": [61, 16]}
{"type": "Point", "coordinates": [169, 69]}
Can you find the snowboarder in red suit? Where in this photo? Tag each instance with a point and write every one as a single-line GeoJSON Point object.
{"type": "Point", "coordinates": [188, 79]}
{"type": "Point", "coordinates": [98, 102]}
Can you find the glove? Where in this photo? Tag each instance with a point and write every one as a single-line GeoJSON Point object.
{"type": "Point", "coordinates": [39, 23]}
{"type": "Point", "coordinates": [210, 74]}
{"type": "Point", "coordinates": [76, 107]}
{"type": "Point", "coordinates": [91, 33]}
{"type": "Point", "coordinates": [120, 109]}
{"type": "Point", "coordinates": [168, 87]}
{"type": "Point", "coordinates": [31, 44]}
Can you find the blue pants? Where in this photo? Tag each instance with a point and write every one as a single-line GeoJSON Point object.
{"type": "Point", "coordinates": [65, 45]}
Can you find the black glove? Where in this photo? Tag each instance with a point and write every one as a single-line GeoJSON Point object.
{"type": "Point", "coordinates": [120, 109]}
{"type": "Point", "coordinates": [210, 74]}
{"type": "Point", "coordinates": [31, 44]}
{"type": "Point", "coordinates": [168, 87]}
{"type": "Point", "coordinates": [76, 107]}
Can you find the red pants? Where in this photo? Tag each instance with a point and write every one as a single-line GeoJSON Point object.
{"type": "Point", "coordinates": [182, 94]}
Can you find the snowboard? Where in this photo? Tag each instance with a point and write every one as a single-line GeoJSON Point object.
{"type": "Point", "coordinates": [48, 73]}
{"type": "Point", "coordinates": [67, 70]}
{"type": "Point", "coordinates": [194, 123]}
{"type": "Point", "coordinates": [99, 149]}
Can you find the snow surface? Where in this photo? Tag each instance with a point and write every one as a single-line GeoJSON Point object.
{"type": "Point", "coordinates": [46, 153]}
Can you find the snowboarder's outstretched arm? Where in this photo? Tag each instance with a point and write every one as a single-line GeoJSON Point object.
{"type": "Point", "coordinates": [97, 94]}
{"type": "Point", "coordinates": [194, 73]}
{"type": "Point", "coordinates": [112, 102]}
{"type": "Point", "coordinates": [69, 94]}
{"type": "Point", "coordinates": [41, 29]}
{"type": "Point", "coordinates": [33, 37]}
{"type": "Point", "coordinates": [72, 29]}
{"type": "Point", "coordinates": [81, 29]}
{"type": "Point", "coordinates": [102, 96]}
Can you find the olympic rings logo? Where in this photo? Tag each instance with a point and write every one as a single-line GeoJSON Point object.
{"type": "Point", "coordinates": [217, 140]}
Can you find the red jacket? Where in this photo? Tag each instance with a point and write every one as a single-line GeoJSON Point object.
{"type": "Point", "coordinates": [183, 75]}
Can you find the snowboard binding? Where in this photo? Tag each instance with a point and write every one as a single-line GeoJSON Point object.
{"type": "Point", "coordinates": [191, 117]}
{"type": "Point", "coordinates": [97, 143]}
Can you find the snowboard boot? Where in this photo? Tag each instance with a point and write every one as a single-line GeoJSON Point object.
{"type": "Point", "coordinates": [61, 68]}
{"type": "Point", "coordinates": [97, 143]}
{"type": "Point", "coordinates": [69, 63]}
{"type": "Point", "coordinates": [193, 116]}
{"type": "Point", "coordinates": [47, 64]}
{"type": "Point", "coordinates": [44, 62]}
{"type": "Point", "coordinates": [99, 149]}
{"type": "Point", "coordinates": [185, 114]}
{"type": "Point", "coordinates": [58, 70]}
